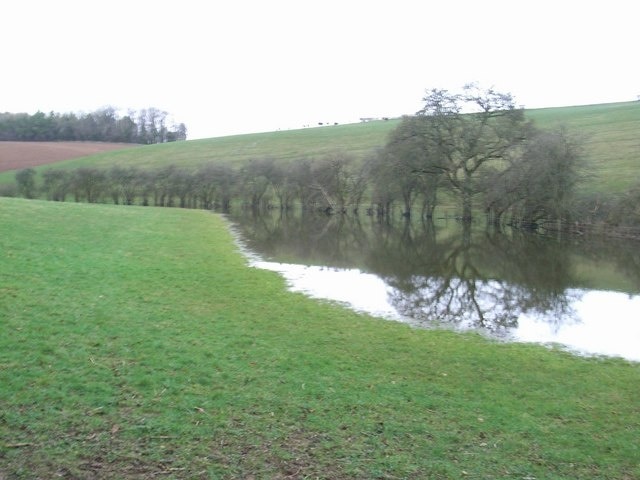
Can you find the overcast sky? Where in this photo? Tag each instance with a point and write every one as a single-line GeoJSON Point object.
{"type": "Point", "coordinates": [239, 66]}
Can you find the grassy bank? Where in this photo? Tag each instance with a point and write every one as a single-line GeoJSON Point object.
{"type": "Point", "coordinates": [136, 344]}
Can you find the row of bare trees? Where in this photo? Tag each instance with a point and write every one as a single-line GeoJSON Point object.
{"type": "Point", "coordinates": [333, 184]}
{"type": "Point", "coordinates": [535, 186]}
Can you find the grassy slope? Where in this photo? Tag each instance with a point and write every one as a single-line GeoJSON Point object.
{"type": "Point", "coordinates": [357, 139]}
{"type": "Point", "coordinates": [610, 132]}
{"type": "Point", "coordinates": [136, 343]}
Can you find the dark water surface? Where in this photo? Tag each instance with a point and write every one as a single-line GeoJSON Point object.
{"type": "Point", "coordinates": [581, 293]}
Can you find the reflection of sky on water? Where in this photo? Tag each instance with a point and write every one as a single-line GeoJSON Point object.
{"type": "Point", "coordinates": [363, 292]}
{"type": "Point", "coordinates": [608, 324]}
{"type": "Point", "coordinates": [598, 322]}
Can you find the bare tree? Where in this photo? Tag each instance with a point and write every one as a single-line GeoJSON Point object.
{"type": "Point", "coordinates": [539, 181]}
{"type": "Point", "coordinates": [88, 184]}
{"type": "Point", "coordinates": [123, 184]}
{"type": "Point", "coordinates": [26, 182]}
{"type": "Point", "coordinates": [468, 131]}
{"type": "Point", "coordinates": [411, 165]}
{"type": "Point", "coordinates": [300, 174]}
{"type": "Point", "coordinates": [163, 186]}
{"type": "Point", "coordinates": [332, 180]}
{"type": "Point", "coordinates": [56, 184]}
{"type": "Point", "coordinates": [255, 182]}
{"type": "Point", "coordinates": [283, 185]}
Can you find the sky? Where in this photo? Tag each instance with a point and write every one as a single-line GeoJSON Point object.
{"type": "Point", "coordinates": [241, 66]}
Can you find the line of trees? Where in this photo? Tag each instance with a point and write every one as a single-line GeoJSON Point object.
{"type": "Point", "coordinates": [145, 126]}
{"type": "Point", "coordinates": [325, 184]}
{"type": "Point", "coordinates": [530, 190]}
{"type": "Point", "coordinates": [474, 148]}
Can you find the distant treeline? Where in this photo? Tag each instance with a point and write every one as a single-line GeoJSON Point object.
{"type": "Point", "coordinates": [145, 126]}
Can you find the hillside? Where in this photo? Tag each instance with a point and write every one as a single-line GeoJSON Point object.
{"type": "Point", "coordinates": [610, 133]}
{"type": "Point", "coordinates": [357, 139]}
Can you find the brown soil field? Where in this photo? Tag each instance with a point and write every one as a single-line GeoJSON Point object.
{"type": "Point", "coordinates": [17, 155]}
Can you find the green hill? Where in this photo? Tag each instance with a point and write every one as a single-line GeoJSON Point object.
{"type": "Point", "coordinates": [611, 135]}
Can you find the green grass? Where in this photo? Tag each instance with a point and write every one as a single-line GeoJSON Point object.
{"type": "Point", "coordinates": [290, 145]}
{"type": "Point", "coordinates": [136, 343]}
{"type": "Point", "coordinates": [610, 133]}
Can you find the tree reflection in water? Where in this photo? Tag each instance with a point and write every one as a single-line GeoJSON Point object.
{"type": "Point", "coordinates": [444, 275]}
{"type": "Point", "coordinates": [482, 281]}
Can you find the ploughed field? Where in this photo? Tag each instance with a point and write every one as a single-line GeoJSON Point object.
{"type": "Point", "coordinates": [18, 155]}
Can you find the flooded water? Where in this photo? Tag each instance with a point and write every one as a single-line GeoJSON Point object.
{"type": "Point", "coordinates": [581, 294]}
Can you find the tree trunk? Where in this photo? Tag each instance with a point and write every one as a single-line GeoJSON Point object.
{"type": "Point", "coordinates": [467, 200]}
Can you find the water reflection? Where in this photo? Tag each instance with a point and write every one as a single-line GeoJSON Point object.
{"type": "Point", "coordinates": [511, 286]}
{"type": "Point", "coordinates": [481, 281]}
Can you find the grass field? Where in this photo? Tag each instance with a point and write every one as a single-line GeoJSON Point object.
{"type": "Point", "coordinates": [136, 343]}
{"type": "Point", "coordinates": [357, 139]}
{"type": "Point", "coordinates": [610, 133]}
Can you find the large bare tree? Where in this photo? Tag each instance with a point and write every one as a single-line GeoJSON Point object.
{"type": "Point", "coordinates": [467, 131]}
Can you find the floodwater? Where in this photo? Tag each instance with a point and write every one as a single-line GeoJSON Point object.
{"type": "Point", "coordinates": [581, 294]}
